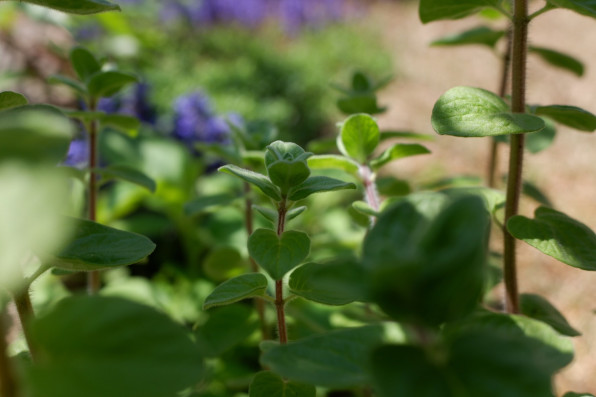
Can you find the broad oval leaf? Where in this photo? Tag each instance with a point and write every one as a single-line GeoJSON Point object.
{"type": "Point", "coordinates": [359, 137]}
{"type": "Point", "coordinates": [236, 289]}
{"type": "Point", "coordinates": [288, 174]}
{"type": "Point", "coordinates": [10, 99]}
{"type": "Point", "coordinates": [537, 307]}
{"type": "Point", "coordinates": [559, 59]}
{"type": "Point", "coordinates": [571, 116]}
{"type": "Point", "coordinates": [111, 346]}
{"type": "Point", "coordinates": [334, 162]}
{"type": "Point", "coordinates": [583, 7]}
{"type": "Point", "coordinates": [396, 152]}
{"type": "Point", "coordinates": [84, 63]}
{"type": "Point", "coordinates": [278, 255]}
{"type": "Point", "coordinates": [475, 112]}
{"type": "Point", "coordinates": [108, 83]}
{"type": "Point", "coordinates": [318, 184]}
{"type": "Point", "coordinates": [335, 283]}
{"type": "Point", "coordinates": [482, 35]}
{"type": "Point", "coordinates": [127, 173]}
{"type": "Point", "coordinates": [259, 180]}
{"type": "Point", "coordinates": [268, 384]}
{"type": "Point", "coordinates": [82, 7]}
{"type": "Point", "coordinates": [557, 235]}
{"type": "Point", "coordinates": [95, 246]}
{"type": "Point", "coordinates": [433, 10]}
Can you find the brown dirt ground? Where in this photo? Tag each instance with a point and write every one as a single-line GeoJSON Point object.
{"type": "Point", "coordinates": [566, 171]}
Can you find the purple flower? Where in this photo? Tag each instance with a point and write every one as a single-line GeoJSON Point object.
{"type": "Point", "coordinates": [78, 153]}
{"type": "Point", "coordinates": [134, 103]}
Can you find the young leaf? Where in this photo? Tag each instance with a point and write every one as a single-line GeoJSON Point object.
{"type": "Point", "coordinates": [362, 103]}
{"type": "Point", "coordinates": [557, 235]}
{"type": "Point", "coordinates": [236, 289]}
{"type": "Point", "coordinates": [204, 203]}
{"type": "Point", "coordinates": [226, 327]}
{"type": "Point", "coordinates": [95, 246]}
{"type": "Point", "coordinates": [396, 152]}
{"type": "Point", "coordinates": [335, 283]}
{"type": "Point", "coordinates": [335, 359]}
{"type": "Point", "coordinates": [570, 116]}
{"type": "Point", "coordinates": [259, 180]}
{"type": "Point", "coordinates": [294, 212]}
{"type": "Point", "coordinates": [10, 99]}
{"type": "Point", "coordinates": [318, 184]}
{"type": "Point", "coordinates": [364, 208]}
{"type": "Point", "coordinates": [482, 35]}
{"type": "Point", "coordinates": [129, 174]}
{"type": "Point", "coordinates": [433, 10]}
{"type": "Point", "coordinates": [559, 59]}
{"type": "Point", "coordinates": [84, 63]}
{"type": "Point", "coordinates": [359, 137]}
{"type": "Point", "coordinates": [475, 112]}
{"type": "Point", "coordinates": [334, 162]}
{"type": "Point", "coordinates": [82, 7]}
{"type": "Point", "coordinates": [268, 384]}
{"type": "Point", "coordinates": [536, 307]}
{"type": "Point", "coordinates": [119, 346]}
{"type": "Point", "coordinates": [583, 7]}
{"type": "Point", "coordinates": [278, 255]}
{"type": "Point", "coordinates": [108, 83]}
{"type": "Point", "coordinates": [287, 151]}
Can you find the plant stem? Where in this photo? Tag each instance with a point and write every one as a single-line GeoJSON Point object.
{"type": "Point", "coordinates": [370, 189]}
{"type": "Point", "coordinates": [93, 279]}
{"type": "Point", "coordinates": [514, 179]}
{"type": "Point", "coordinates": [494, 144]}
{"type": "Point", "coordinates": [279, 293]}
{"type": "Point", "coordinates": [22, 301]}
{"type": "Point", "coordinates": [8, 383]}
{"type": "Point", "coordinates": [248, 222]}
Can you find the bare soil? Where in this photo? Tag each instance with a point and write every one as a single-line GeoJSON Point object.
{"type": "Point", "coordinates": [566, 172]}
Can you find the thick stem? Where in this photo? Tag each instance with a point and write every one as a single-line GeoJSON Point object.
{"type": "Point", "coordinates": [494, 145]}
{"type": "Point", "coordinates": [8, 383]}
{"type": "Point", "coordinates": [370, 189]}
{"type": "Point", "coordinates": [93, 278]}
{"type": "Point", "coordinates": [22, 301]}
{"type": "Point", "coordinates": [248, 222]}
{"type": "Point", "coordinates": [279, 292]}
{"type": "Point", "coordinates": [514, 180]}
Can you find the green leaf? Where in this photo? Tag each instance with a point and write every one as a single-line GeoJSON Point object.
{"type": "Point", "coordinates": [205, 203]}
{"type": "Point", "coordinates": [396, 152]}
{"type": "Point", "coordinates": [84, 63]}
{"type": "Point", "coordinates": [127, 173]}
{"type": "Point", "coordinates": [10, 99]}
{"type": "Point", "coordinates": [223, 263]}
{"type": "Point", "coordinates": [359, 137]}
{"type": "Point", "coordinates": [482, 35]}
{"type": "Point", "coordinates": [259, 180]}
{"type": "Point", "coordinates": [286, 151]}
{"type": "Point", "coordinates": [108, 83]}
{"type": "Point", "coordinates": [34, 133]}
{"type": "Point", "coordinates": [236, 289]}
{"type": "Point", "coordinates": [531, 190]}
{"type": "Point", "coordinates": [360, 103]}
{"type": "Point", "coordinates": [406, 134]}
{"type": "Point", "coordinates": [335, 283]}
{"type": "Point", "coordinates": [75, 85]}
{"type": "Point", "coordinates": [583, 7]}
{"type": "Point", "coordinates": [433, 10]}
{"type": "Point", "coordinates": [294, 212]}
{"type": "Point", "coordinates": [318, 184]}
{"type": "Point", "coordinates": [111, 346]}
{"type": "Point", "coordinates": [416, 256]}
{"type": "Point", "coordinates": [334, 162]}
{"type": "Point", "coordinates": [268, 213]}
{"type": "Point", "coordinates": [573, 394]}
{"type": "Point", "coordinates": [225, 328]}
{"type": "Point", "coordinates": [361, 82]}
{"type": "Point", "coordinates": [557, 235]}
{"type": "Point", "coordinates": [82, 7]}
{"type": "Point", "coordinates": [537, 307]}
{"type": "Point", "coordinates": [570, 116]}
{"type": "Point", "coordinates": [541, 140]}
{"type": "Point", "coordinates": [268, 384]}
{"type": "Point", "coordinates": [559, 60]}
{"type": "Point", "coordinates": [288, 174]}
{"type": "Point", "coordinates": [335, 359]}
{"type": "Point", "coordinates": [391, 186]}
{"type": "Point", "coordinates": [278, 255]}
{"type": "Point", "coordinates": [126, 124]}
{"type": "Point", "coordinates": [364, 208]}
{"type": "Point", "coordinates": [474, 112]}
{"type": "Point", "coordinates": [95, 246]}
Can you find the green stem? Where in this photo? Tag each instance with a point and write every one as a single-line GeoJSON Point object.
{"type": "Point", "coordinates": [93, 278]}
{"type": "Point", "coordinates": [248, 222]}
{"type": "Point", "coordinates": [514, 180]}
{"type": "Point", "coordinates": [8, 383]}
{"type": "Point", "coordinates": [279, 294]}
{"type": "Point", "coordinates": [22, 301]}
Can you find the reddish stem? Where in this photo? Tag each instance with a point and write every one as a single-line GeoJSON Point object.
{"type": "Point", "coordinates": [93, 278]}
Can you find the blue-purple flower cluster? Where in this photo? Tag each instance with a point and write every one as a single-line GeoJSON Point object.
{"type": "Point", "coordinates": [292, 14]}
{"type": "Point", "coordinates": [134, 103]}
